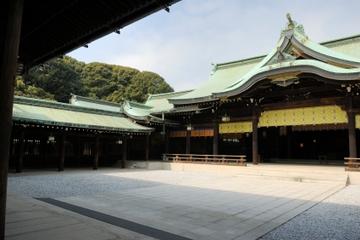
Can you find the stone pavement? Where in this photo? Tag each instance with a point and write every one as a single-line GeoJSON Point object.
{"type": "Point", "coordinates": [29, 219]}
{"type": "Point", "coordinates": [195, 205]}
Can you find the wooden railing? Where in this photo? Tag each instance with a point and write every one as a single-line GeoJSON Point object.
{"type": "Point", "coordinates": [352, 164]}
{"type": "Point", "coordinates": [204, 158]}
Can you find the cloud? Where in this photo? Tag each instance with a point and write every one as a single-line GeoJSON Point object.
{"type": "Point", "coordinates": [181, 45]}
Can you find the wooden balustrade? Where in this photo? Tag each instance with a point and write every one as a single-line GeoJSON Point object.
{"type": "Point", "coordinates": [352, 164]}
{"type": "Point", "coordinates": [239, 160]}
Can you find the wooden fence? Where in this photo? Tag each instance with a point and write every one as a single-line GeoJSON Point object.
{"type": "Point", "coordinates": [239, 160]}
{"type": "Point", "coordinates": [352, 164]}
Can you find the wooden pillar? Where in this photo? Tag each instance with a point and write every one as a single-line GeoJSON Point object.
{"type": "Point", "coordinates": [167, 139]}
{"type": "Point", "coordinates": [216, 138]}
{"type": "Point", "coordinates": [188, 141]}
{"type": "Point", "coordinates": [62, 153]}
{"type": "Point", "coordinates": [352, 133]}
{"type": "Point", "coordinates": [20, 157]}
{"type": "Point", "coordinates": [255, 150]}
{"type": "Point", "coordinates": [147, 146]}
{"type": "Point", "coordinates": [289, 141]}
{"type": "Point", "coordinates": [10, 28]}
{"type": "Point", "coordinates": [96, 153]}
{"type": "Point", "coordinates": [124, 152]}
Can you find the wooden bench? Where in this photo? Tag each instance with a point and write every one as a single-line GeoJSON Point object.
{"type": "Point", "coordinates": [352, 164]}
{"type": "Point", "coordinates": [239, 160]}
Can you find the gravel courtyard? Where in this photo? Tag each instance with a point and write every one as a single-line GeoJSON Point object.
{"type": "Point", "coordinates": [205, 205]}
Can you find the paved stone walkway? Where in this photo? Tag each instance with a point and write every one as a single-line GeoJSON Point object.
{"type": "Point", "coordinates": [189, 204]}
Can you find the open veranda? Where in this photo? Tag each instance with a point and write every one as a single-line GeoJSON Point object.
{"type": "Point", "coordinates": [185, 201]}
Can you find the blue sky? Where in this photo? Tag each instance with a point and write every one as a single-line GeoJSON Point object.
{"type": "Point", "coordinates": [182, 45]}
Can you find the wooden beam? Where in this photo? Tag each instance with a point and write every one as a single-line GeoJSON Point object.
{"type": "Point", "coordinates": [96, 152]}
{"type": "Point", "coordinates": [124, 152]}
{"type": "Point", "coordinates": [216, 138]}
{"type": "Point", "coordinates": [62, 148]}
{"type": "Point", "coordinates": [147, 147]}
{"type": "Point", "coordinates": [351, 130]}
{"type": "Point", "coordinates": [188, 142]}
{"type": "Point", "coordinates": [20, 157]}
{"type": "Point", "coordinates": [255, 144]}
{"type": "Point", "coordinates": [10, 29]}
{"type": "Point", "coordinates": [167, 139]}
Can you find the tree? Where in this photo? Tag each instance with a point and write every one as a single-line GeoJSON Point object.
{"type": "Point", "coordinates": [21, 89]}
{"type": "Point", "coordinates": [59, 77]}
{"type": "Point", "coordinates": [102, 80]}
{"type": "Point", "coordinates": [145, 83]}
{"type": "Point", "coordinates": [56, 77]}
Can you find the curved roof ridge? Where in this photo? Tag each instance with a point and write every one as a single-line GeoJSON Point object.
{"type": "Point", "coordinates": [93, 100]}
{"type": "Point", "coordinates": [159, 95]}
{"type": "Point", "coordinates": [60, 105]}
{"type": "Point", "coordinates": [290, 66]}
{"type": "Point", "coordinates": [329, 42]}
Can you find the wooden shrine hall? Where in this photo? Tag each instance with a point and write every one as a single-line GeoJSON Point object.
{"type": "Point", "coordinates": [300, 103]}
{"type": "Point", "coordinates": [48, 134]}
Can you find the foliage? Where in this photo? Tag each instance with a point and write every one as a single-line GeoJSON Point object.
{"type": "Point", "coordinates": [21, 89]}
{"type": "Point", "coordinates": [146, 82]}
{"type": "Point", "coordinates": [56, 77]}
{"type": "Point", "coordinates": [60, 77]}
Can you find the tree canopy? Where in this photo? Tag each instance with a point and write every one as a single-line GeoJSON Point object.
{"type": "Point", "coordinates": [60, 77]}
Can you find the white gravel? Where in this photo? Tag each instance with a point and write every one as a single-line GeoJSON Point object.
{"type": "Point", "coordinates": [337, 217]}
{"type": "Point", "coordinates": [83, 183]}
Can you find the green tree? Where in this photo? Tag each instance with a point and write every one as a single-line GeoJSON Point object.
{"type": "Point", "coordinates": [21, 89]}
{"type": "Point", "coordinates": [145, 83]}
{"type": "Point", "coordinates": [102, 80]}
{"type": "Point", "coordinates": [56, 77]}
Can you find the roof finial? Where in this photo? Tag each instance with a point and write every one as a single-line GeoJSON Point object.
{"type": "Point", "coordinates": [291, 23]}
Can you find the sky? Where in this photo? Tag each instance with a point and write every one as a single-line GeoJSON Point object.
{"type": "Point", "coordinates": [182, 45]}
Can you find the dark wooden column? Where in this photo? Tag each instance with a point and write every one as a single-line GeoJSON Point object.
{"type": "Point", "coordinates": [255, 144]}
{"type": "Point", "coordinates": [352, 133]}
{"type": "Point", "coordinates": [351, 127]}
{"type": "Point", "coordinates": [167, 139]}
{"type": "Point", "coordinates": [96, 152]}
{"type": "Point", "coordinates": [62, 153]}
{"type": "Point", "coordinates": [10, 28]}
{"type": "Point", "coordinates": [20, 157]}
{"type": "Point", "coordinates": [216, 138]}
{"type": "Point", "coordinates": [147, 146]}
{"type": "Point", "coordinates": [124, 152]}
{"type": "Point", "coordinates": [289, 141]}
{"type": "Point", "coordinates": [188, 141]}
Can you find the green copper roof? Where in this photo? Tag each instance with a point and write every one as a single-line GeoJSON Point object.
{"type": "Point", "coordinates": [60, 114]}
{"type": "Point", "coordinates": [140, 111]}
{"type": "Point", "coordinates": [227, 75]}
{"type": "Point", "coordinates": [94, 103]}
{"type": "Point", "coordinates": [310, 66]}
{"type": "Point", "coordinates": [160, 103]}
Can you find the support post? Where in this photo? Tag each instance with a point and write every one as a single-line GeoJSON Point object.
{"type": "Point", "coordinates": [255, 150]}
{"type": "Point", "coordinates": [216, 138]}
{"type": "Point", "coordinates": [352, 133]}
{"type": "Point", "coordinates": [147, 147]}
{"type": "Point", "coordinates": [10, 29]}
{"type": "Point", "coordinates": [20, 158]}
{"type": "Point", "coordinates": [167, 139]}
{"type": "Point", "coordinates": [62, 153]}
{"type": "Point", "coordinates": [96, 153]}
{"type": "Point", "coordinates": [289, 141]}
{"type": "Point", "coordinates": [124, 152]}
{"type": "Point", "coordinates": [188, 141]}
